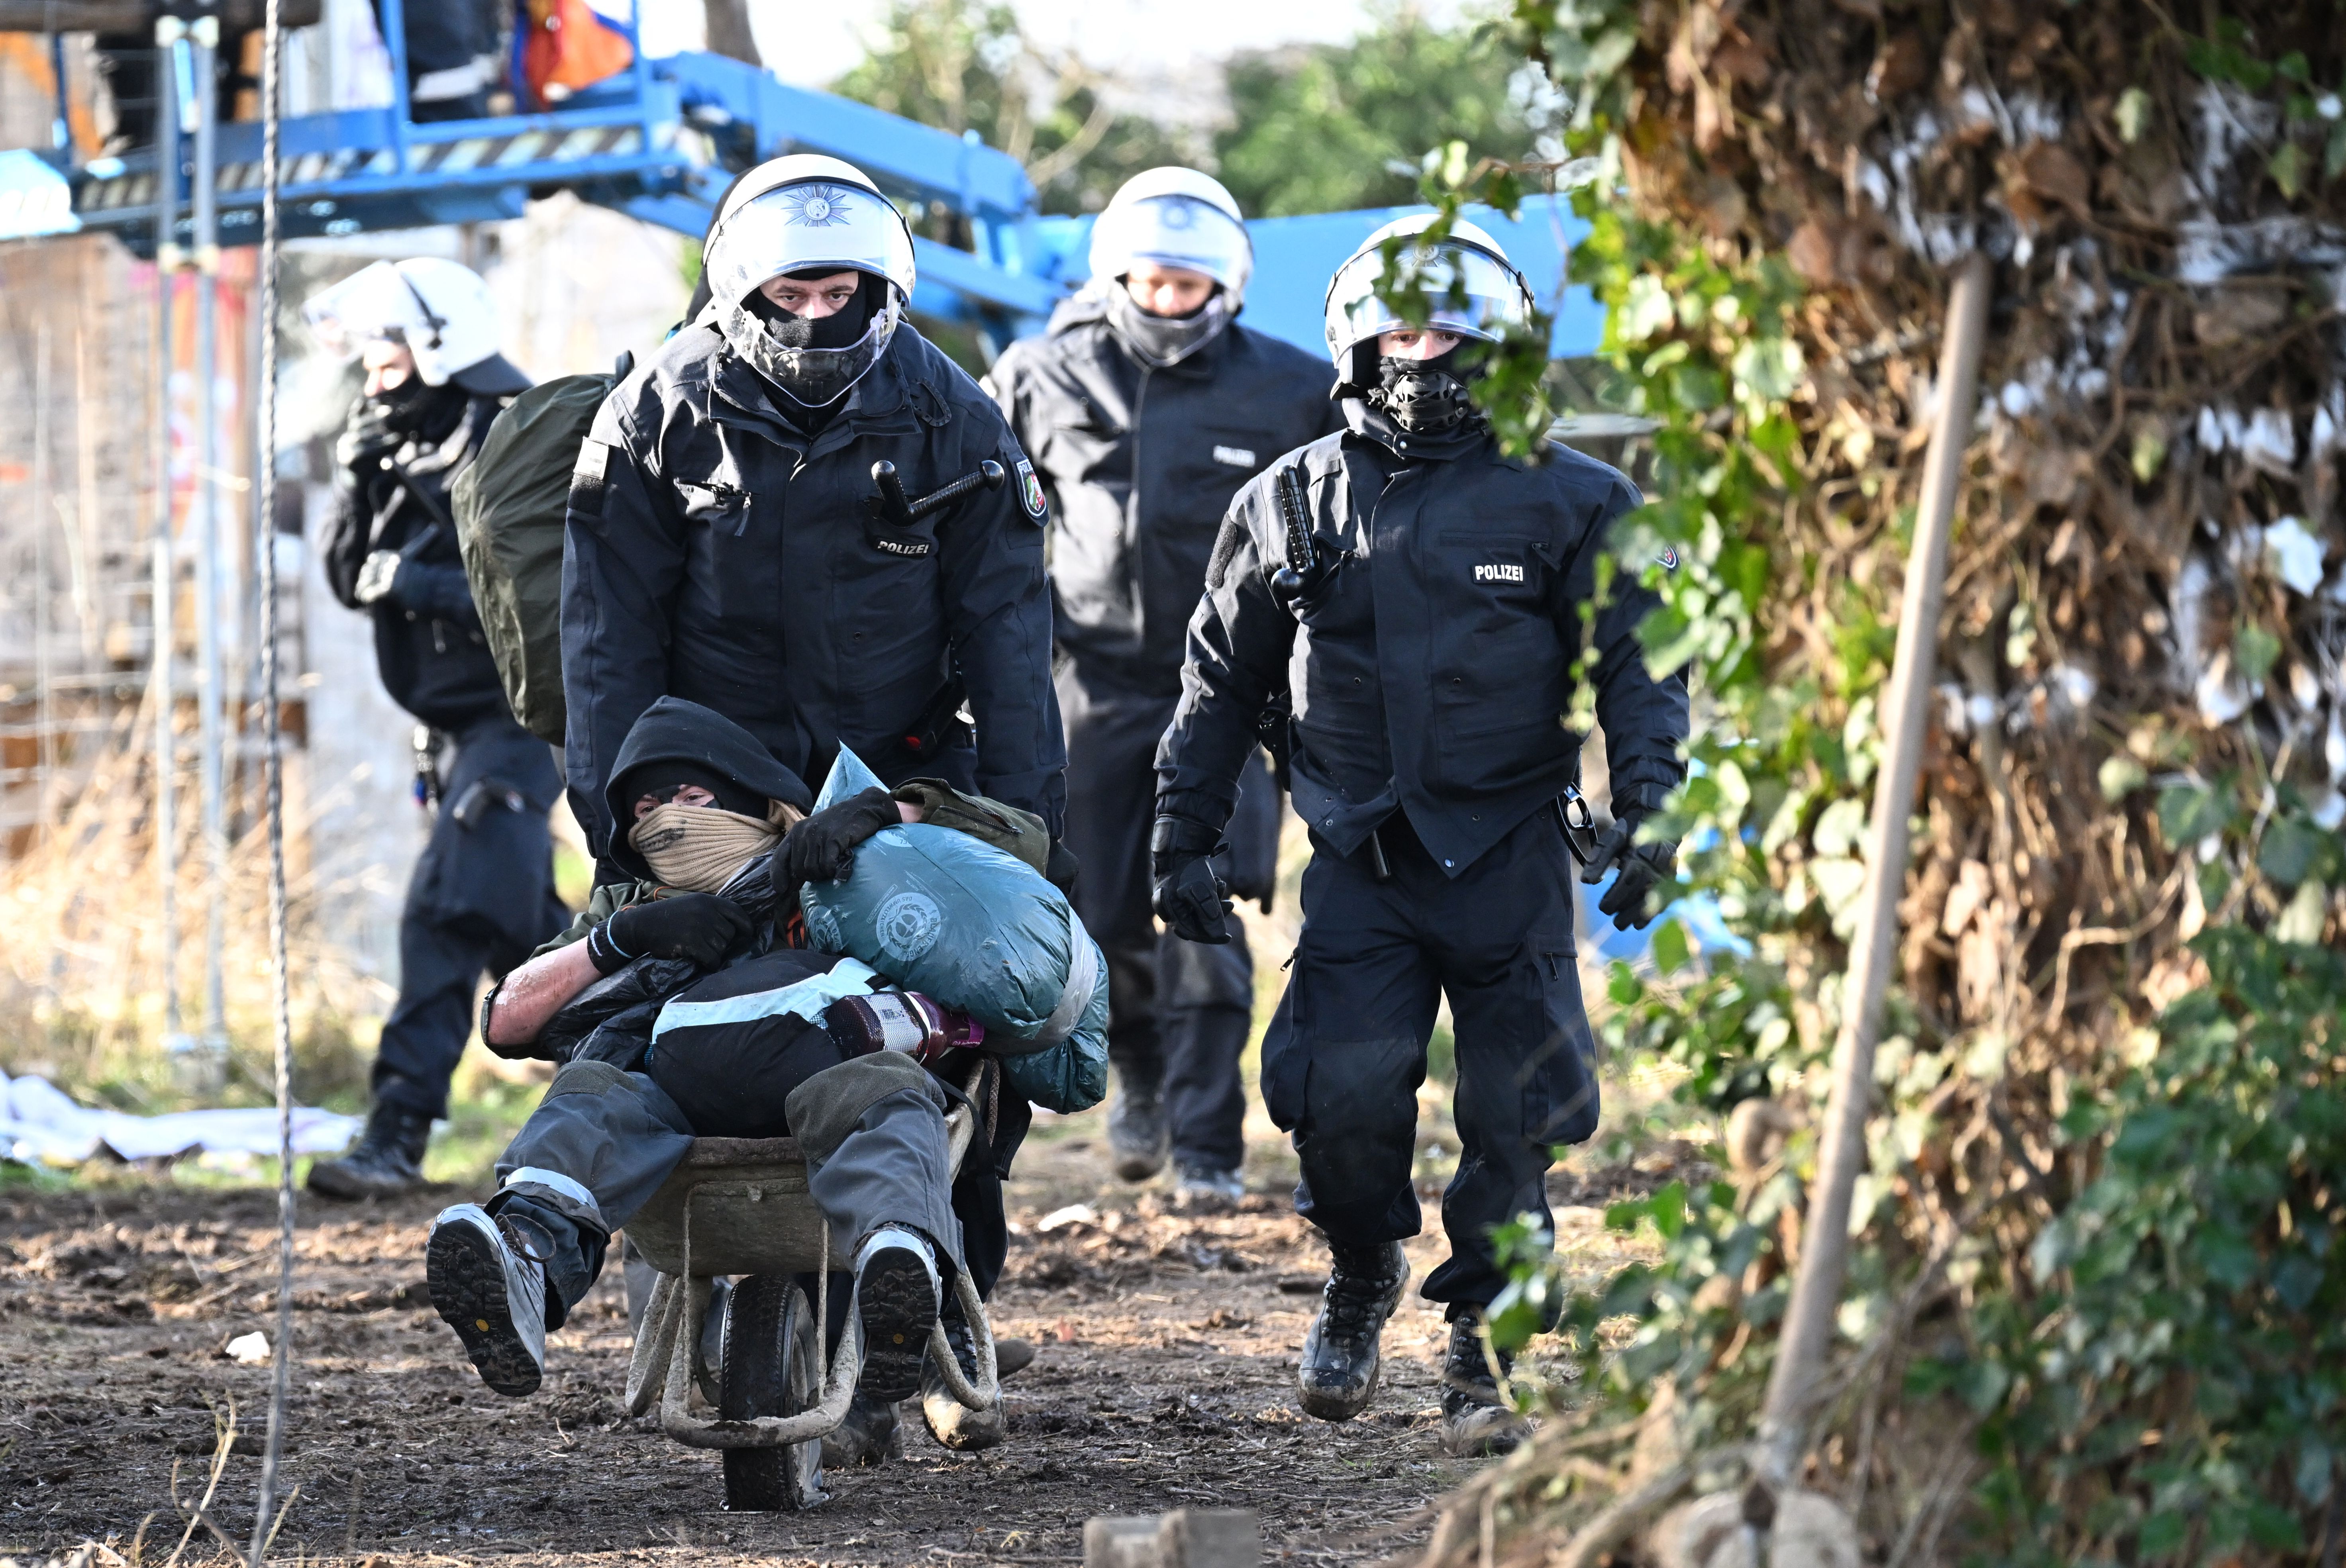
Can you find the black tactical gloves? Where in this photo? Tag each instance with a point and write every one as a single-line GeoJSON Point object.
{"type": "Point", "coordinates": [379, 578]}
{"type": "Point", "coordinates": [1189, 897]}
{"type": "Point", "coordinates": [1060, 869]}
{"type": "Point", "coordinates": [702, 927]}
{"type": "Point", "coordinates": [367, 440]}
{"type": "Point", "coordinates": [823, 848]}
{"type": "Point", "coordinates": [1643, 867]}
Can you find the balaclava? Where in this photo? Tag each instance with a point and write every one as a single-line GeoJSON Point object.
{"type": "Point", "coordinates": [1162, 341]}
{"type": "Point", "coordinates": [702, 849]}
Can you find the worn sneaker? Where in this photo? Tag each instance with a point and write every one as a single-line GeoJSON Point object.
{"type": "Point", "coordinates": [868, 1434]}
{"type": "Point", "coordinates": [1138, 1138]}
{"type": "Point", "coordinates": [951, 1423]}
{"type": "Point", "coordinates": [1204, 1187]}
{"type": "Point", "coordinates": [1477, 1419]}
{"type": "Point", "coordinates": [896, 1294]}
{"type": "Point", "coordinates": [492, 1291]}
{"type": "Point", "coordinates": [1337, 1376]}
{"type": "Point", "coordinates": [387, 1160]}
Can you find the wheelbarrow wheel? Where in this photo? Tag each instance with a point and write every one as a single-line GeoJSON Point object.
{"type": "Point", "coordinates": [773, 1366]}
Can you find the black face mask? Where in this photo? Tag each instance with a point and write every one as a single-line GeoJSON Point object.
{"type": "Point", "coordinates": [412, 406]}
{"type": "Point", "coordinates": [1422, 397]}
{"type": "Point", "coordinates": [841, 329]}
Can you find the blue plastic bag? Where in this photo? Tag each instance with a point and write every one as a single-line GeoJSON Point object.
{"type": "Point", "coordinates": [951, 916]}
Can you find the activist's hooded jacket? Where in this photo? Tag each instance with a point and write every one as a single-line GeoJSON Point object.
{"type": "Point", "coordinates": [719, 553]}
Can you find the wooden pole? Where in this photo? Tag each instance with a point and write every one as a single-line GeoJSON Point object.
{"type": "Point", "coordinates": [1816, 1291]}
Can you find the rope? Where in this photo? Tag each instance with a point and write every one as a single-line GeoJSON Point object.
{"type": "Point", "coordinates": [273, 775]}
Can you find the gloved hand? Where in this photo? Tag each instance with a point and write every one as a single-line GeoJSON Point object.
{"type": "Point", "coordinates": [379, 578]}
{"type": "Point", "coordinates": [1061, 868]}
{"type": "Point", "coordinates": [1642, 868]}
{"type": "Point", "coordinates": [367, 440]}
{"type": "Point", "coordinates": [702, 927]}
{"type": "Point", "coordinates": [823, 848]}
{"type": "Point", "coordinates": [1188, 896]}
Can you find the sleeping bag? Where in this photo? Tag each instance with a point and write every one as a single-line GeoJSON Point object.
{"type": "Point", "coordinates": [940, 913]}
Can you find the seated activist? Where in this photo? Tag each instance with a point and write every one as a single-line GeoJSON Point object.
{"type": "Point", "coordinates": [771, 1039]}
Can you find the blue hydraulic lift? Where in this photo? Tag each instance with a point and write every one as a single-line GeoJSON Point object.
{"type": "Point", "coordinates": [661, 141]}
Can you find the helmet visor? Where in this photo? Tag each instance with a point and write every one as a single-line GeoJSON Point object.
{"type": "Point", "coordinates": [374, 304]}
{"type": "Point", "coordinates": [1173, 231]}
{"type": "Point", "coordinates": [1468, 292]}
{"type": "Point", "coordinates": [814, 223]}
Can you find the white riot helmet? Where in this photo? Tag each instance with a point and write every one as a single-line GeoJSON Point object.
{"type": "Point", "coordinates": [809, 214]}
{"type": "Point", "coordinates": [1174, 217]}
{"type": "Point", "coordinates": [440, 310]}
{"type": "Point", "coordinates": [1473, 290]}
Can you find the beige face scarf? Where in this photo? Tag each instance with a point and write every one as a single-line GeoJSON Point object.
{"type": "Point", "coordinates": [700, 848]}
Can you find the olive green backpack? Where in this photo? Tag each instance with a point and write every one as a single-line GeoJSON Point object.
{"type": "Point", "coordinates": [509, 506]}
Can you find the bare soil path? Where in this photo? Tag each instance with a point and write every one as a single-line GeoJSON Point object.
{"type": "Point", "coordinates": [1165, 1380]}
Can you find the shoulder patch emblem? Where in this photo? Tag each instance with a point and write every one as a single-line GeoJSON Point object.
{"type": "Point", "coordinates": [1030, 490]}
{"type": "Point", "coordinates": [1668, 559]}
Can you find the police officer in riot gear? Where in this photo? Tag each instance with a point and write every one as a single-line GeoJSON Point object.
{"type": "Point", "coordinates": [729, 544]}
{"type": "Point", "coordinates": [1146, 406]}
{"type": "Point", "coordinates": [482, 896]}
{"type": "Point", "coordinates": [800, 514]}
{"type": "Point", "coordinates": [1424, 600]}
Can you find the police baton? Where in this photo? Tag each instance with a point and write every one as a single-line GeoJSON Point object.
{"type": "Point", "coordinates": [893, 521]}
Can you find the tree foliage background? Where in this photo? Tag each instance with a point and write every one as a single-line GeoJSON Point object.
{"type": "Point", "coordinates": [2090, 1308]}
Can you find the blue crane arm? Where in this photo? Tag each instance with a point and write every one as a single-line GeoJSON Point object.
{"type": "Point", "coordinates": [904, 156]}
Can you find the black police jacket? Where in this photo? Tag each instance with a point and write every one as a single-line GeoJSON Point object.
{"type": "Point", "coordinates": [1431, 661]}
{"type": "Point", "coordinates": [715, 553]}
{"type": "Point", "coordinates": [428, 642]}
{"type": "Point", "coordinates": [1141, 464]}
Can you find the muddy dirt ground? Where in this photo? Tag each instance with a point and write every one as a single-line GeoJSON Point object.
{"type": "Point", "coordinates": [1164, 1379]}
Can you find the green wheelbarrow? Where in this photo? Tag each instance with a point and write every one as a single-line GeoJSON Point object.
{"type": "Point", "coordinates": [739, 1208]}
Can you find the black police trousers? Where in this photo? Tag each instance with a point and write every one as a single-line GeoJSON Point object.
{"type": "Point", "coordinates": [481, 898]}
{"type": "Point", "coordinates": [1347, 1049]}
{"type": "Point", "coordinates": [1179, 1014]}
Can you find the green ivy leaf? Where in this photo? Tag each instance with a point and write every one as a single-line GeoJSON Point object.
{"type": "Point", "coordinates": [2292, 850]}
{"type": "Point", "coordinates": [2163, 1533]}
{"type": "Point", "coordinates": [2121, 777]}
{"type": "Point", "coordinates": [2133, 115]}
{"type": "Point", "coordinates": [2256, 649]}
{"type": "Point", "coordinates": [2189, 812]}
{"type": "Point", "coordinates": [2286, 167]}
{"type": "Point", "coordinates": [1646, 309]}
{"type": "Point", "coordinates": [1769, 369]}
{"type": "Point", "coordinates": [1671, 952]}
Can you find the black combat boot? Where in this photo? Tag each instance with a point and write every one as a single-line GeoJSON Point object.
{"type": "Point", "coordinates": [387, 1160]}
{"type": "Point", "coordinates": [1477, 1419]}
{"type": "Point", "coordinates": [1338, 1374]}
{"type": "Point", "coordinates": [1138, 1136]}
{"type": "Point", "coordinates": [951, 1423]}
